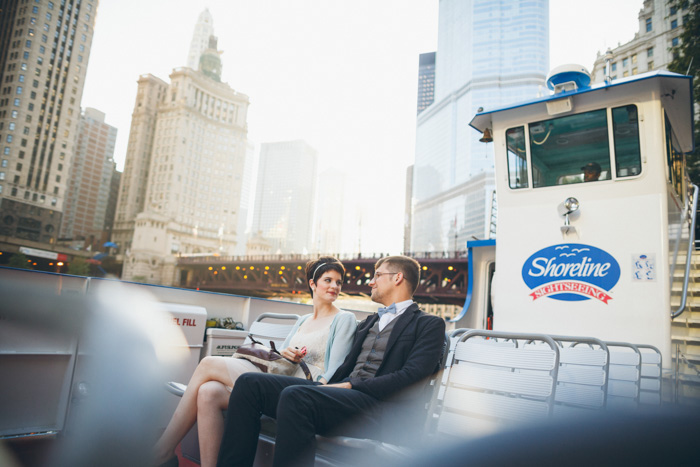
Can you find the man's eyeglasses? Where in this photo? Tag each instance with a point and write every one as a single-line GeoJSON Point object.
{"type": "Point", "coordinates": [377, 275]}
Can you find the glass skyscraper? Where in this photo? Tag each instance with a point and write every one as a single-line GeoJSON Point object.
{"type": "Point", "coordinates": [490, 53]}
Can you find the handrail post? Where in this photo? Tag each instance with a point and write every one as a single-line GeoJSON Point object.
{"type": "Point", "coordinates": [688, 259]}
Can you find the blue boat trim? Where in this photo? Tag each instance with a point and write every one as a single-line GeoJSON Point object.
{"type": "Point", "coordinates": [470, 272]}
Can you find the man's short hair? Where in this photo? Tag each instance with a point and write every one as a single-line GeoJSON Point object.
{"type": "Point", "coordinates": [409, 267]}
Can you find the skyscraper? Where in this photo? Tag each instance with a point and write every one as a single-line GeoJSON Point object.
{"type": "Point", "coordinates": [331, 212]}
{"type": "Point", "coordinates": [490, 52]}
{"type": "Point", "coordinates": [181, 186]}
{"type": "Point", "coordinates": [203, 30]}
{"type": "Point", "coordinates": [426, 80]}
{"type": "Point", "coordinates": [285, 196]}
{"type": "Point", "coordinates": [44, 50]}
{"type": "Point", "coordinates": [90, 179]}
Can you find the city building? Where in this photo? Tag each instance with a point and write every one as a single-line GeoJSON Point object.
{"type": "Point", "coordinates": [44, 51]}
{"type": "Point", "coordinates": [112, 201]}
{"type": "Point", "coordinates": [181, 187]}
{"type": "Point", "coordinates": [203, 30]}
{"type": "Point", "coordinates": [660, 26]}
{"type": "Point", "coordinates": [285, 196]}
{"type": "Point", "coordinates": [426, 80]}
{"type": "Point", "coordinates": [85, 214]}
{"type": "Point", "coordinates": [245, 210]}
{"type": "Point", "coordinates": [490, 53]}
{"type": "Point", "coordinates": [331, 212]}
{"type": "Point", "coordinates": [408, 215]}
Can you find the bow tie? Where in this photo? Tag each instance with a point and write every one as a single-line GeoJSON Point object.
{"type": "Point", "coordinates": [390, 309]}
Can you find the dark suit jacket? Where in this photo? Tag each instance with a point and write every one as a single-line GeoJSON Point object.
{"type": "Point", "coordinates": [412, 355]}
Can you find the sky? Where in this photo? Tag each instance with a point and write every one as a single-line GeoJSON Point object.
{"type": "Point", "coordinates": [339, 74]}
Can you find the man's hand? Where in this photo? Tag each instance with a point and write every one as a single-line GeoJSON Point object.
{"type": "Point", "coordinates": [340, 385]}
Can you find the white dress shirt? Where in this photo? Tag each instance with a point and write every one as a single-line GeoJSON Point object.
{"type": "Point", "coordinates": [389, 317]}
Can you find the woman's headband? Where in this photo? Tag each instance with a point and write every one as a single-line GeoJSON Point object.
{"type": "Point", "coordinates": [313, 277]}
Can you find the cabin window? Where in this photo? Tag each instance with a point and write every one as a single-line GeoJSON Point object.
{"type": "Point", "coordinates": [674, 158]}
{"type": "Point", "coordinates": [517, 160]}
{"type": "Point", "coordinates": [570, 149]}
{"type": "Point", "coordinates": [628, 160]}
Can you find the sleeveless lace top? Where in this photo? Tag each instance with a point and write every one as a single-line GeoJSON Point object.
{"type": "Point", "coordinates": [315, 343]}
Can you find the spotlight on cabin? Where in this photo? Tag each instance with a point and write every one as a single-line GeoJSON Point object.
{"type": "Point", "coordinates": [487, 138]}
{"type": "Point", "coordinates": [568, 207]}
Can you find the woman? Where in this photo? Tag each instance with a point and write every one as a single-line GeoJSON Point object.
{"type": "Point", "coordinates": [327, 334]}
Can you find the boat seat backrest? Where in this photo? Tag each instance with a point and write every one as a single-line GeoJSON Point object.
{"type": "Point", "coordinates": [650, 383]}
{"type": "Point", "coordinates": [267, 327]}
{"type": "Point", "coordinates": [625, 376]}
{"type": "Point", "coordinates": [583, 375]}
{"type": "Point", "coordinates": [492, 381]}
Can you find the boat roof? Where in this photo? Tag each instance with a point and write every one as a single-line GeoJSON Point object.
{"type": "Point", "coordinates": [677, 101]}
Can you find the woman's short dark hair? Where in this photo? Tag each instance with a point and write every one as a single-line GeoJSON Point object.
{"type": "Point", "coordinates": [409, 267]}
{"type": "Point", "coordinates": [315, 269]}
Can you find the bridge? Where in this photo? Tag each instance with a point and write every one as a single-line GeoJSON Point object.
{"type": "Point", "coordinates": [444, 280]}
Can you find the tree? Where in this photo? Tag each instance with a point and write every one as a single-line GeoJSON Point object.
{"type": "Point", "coordinates": [79, 267]}
{"type": "Point", "coordinates": [687, 61]}
{"type": "Point", "coordinates": [19, 261]}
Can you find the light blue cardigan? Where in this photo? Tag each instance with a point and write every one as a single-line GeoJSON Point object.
{"type": "Point", "coordinates": [340, 337]}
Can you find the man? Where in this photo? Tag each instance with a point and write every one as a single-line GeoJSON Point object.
{"type": "Point", "coordinates": [380, 382]}
{"type": "Point", "coordinates": [591, 172]}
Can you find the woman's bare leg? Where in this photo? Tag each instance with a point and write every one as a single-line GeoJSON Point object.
{"type": "Point", "coordinates": [211, 400]}
{"type": "Point", "coordinates": [209, 369]}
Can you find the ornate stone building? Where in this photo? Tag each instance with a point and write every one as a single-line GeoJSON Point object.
{"type": "Point", "coordinates": [181, 186]}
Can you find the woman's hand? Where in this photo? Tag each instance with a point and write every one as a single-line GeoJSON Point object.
{"type": "Point", "coordinates": [293, 354]}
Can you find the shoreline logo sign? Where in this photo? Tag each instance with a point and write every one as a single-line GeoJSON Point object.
{"type": "Point", "coordinates": [571, 272]}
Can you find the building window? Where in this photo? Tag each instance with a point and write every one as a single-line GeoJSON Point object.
{"type": "Point", "coordinates": [674, 24]}
{"type": "Point", "coordinates": [48, 16]}
{"type": "Point", "coordinates": [42, 49]}
{"type": "Point", "coordinates": [613, 67]}
{"type": "Point", "coordinates": [11, 126]}
{"type": "Point", "coordinates": [4, 163]}
{"type": "Point", "coordinates": [16, 102]}
{"type": "Point", "coordinates": [2, 175]}
{"type": "Point", "coordinates": [50, 5]}
{"type": "Point", "coordinates": [19, 90]}
{"type": "Point", "coordinates": [21, 78]}
{"type": "Point", "coordinates": [9, 138]}
{"type": "Point", "coordinates": [634, 71]}
{"type": "Point", "coordinates": [650, 65]}
{"type": "Point", "coordinates": [19, 166]}
{"type": "Point", "coordinates": [634, 59]}
{"type": "Point", "coordinates": [650, 52]}
{"type": "Point", "coordinates": [35, 9]}
{"type": "Point", "coordinates": [674, 42]}
{"type": "Point", "coordinates": [625, 62]}
{"type": "Point", "coordinates": [625, 74]}
{"type": "Point", "coordinates": [6, 151]}
{"type": "Point", "coordinates": [648, 24]}
{"type": "Point", "coordinates": [674, 10]}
